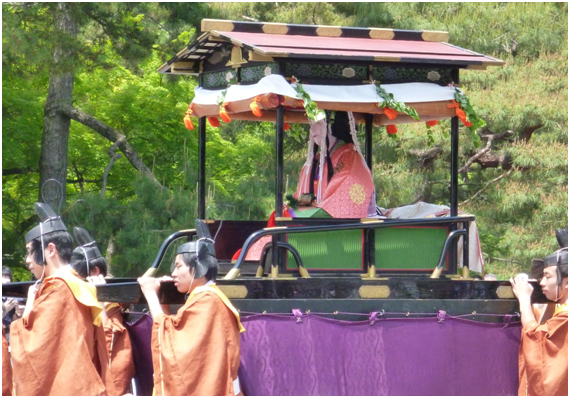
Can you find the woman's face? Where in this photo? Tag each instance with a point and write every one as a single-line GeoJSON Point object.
{"type": "Point", "coordinates": [318, 131]}
{"type": "Point", "coordinates": [182, 275]}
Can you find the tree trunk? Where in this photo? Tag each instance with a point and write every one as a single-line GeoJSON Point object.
{"type": "Point", "coordinates": [53, 159]}
{"type": "Point", "coordinates": [109, 255]}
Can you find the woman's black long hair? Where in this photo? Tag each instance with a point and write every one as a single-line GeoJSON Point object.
{"type": "Point", "coordinates": [340, 128]}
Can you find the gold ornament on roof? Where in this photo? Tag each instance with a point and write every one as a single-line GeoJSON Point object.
{"type": "Point", "coordinates": [236, 58]}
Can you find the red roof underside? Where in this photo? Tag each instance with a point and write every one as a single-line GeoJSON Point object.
{"type": "Point", "coordinates": [345, 46]}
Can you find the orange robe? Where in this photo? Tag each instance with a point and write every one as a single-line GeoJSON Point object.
{"type": "Point", "coordinates": [119, 349]}
{"type": "Point", "coordinates": [59, 348]}
{"type": "Point", "coordinates": [6, 367]}
{"type": "Point", "coordinates": [351, 188]}
{"type": "Point", "coordinates": [197, 351]}
{"type": "Point", "coordinates": [543, 356]}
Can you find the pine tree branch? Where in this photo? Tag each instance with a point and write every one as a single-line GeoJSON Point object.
{"type": "Point", "coordinates": [527, 133]}
{"type": "Point", "coordinates": [81, 180]}
{"type": "Point", "coordinates": [112, 135]}
{"type": "Point", "coordinates": [16, 171]}
{"type": "Point", "coordinates": [426, 158]}
{"type": "Point", "coordinates": [486, 185]}
{"type": "Point", "coordinates": [109, 29]}
{"type": "Point", "coordinates": [114, 156]}
{"type": "Point", "coordinates": [490, 138]}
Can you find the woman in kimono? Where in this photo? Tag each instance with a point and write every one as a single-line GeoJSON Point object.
{"type": "Point", "coordinates": [337, 177]}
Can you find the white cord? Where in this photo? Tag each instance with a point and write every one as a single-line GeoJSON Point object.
{"type": "Point", "coordinates": [86, 260]}
{"type": "Point", "coordinates": [352, 125]}
{"type": "Point", "coordinates": [42, 241]}
{"type": "Point", "coordinates": [323, 156]}
{"type": "Point", "coordinates": [192, 281]}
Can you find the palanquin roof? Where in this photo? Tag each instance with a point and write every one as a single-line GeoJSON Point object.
{"type": "Point", "coordinates": [336, 65]}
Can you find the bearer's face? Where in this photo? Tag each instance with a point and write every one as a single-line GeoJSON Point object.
{"type": "Point", "coordinates": [182, 275]}
{"type": "Point", "coordinates": [35, 268]}
{"type": "Point", "coordinates": [549, 282]}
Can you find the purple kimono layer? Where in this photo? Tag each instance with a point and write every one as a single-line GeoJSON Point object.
{"type": "Point", "coordinates": [318, 356]}
{"type": "Point", "coordinates": [140, 333]}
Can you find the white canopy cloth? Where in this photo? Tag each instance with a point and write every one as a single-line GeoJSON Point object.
{"type": "Point", "coordinates": [362, 93]}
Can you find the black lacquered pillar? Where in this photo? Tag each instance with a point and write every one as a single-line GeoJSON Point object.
{"type": "Point", "coordinates": [277, 263]}
{"type": "Point", "coordinates": [454, 181]}
{"type": "Point", "coordinates": [202, 168]}
{"type": "Point", "coordinates": [370, 247]}
{"type": "Point", "coordinates": [454, 186]}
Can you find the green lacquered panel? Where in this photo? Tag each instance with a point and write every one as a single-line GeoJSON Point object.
{"type": "Point", "coordinates": [219, 79]}
{"type": "Point", "coordinates": [409, 248]}
{"type": "Point", "coordinates": [253, 74]}
{"type": "Point", "coordinates": [327, 71]}
{"type": "Point", "coordinates": [390, 75]}
{"type": "Point", "coordinates": [334, 250]}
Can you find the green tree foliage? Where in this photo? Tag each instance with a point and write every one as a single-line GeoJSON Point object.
{"type": "Point", "coordinates": [519, 201]}
{"type": "Point", "coordinates": [113, 41]}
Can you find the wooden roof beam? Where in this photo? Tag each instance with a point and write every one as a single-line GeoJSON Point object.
{"type": "Point", "coordinates": [322, 30]}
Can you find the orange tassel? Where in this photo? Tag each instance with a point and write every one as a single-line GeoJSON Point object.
{"type": "Point", "coordinates": [432, 123]}
{"type": "Point", "coordinates": [187, 119]}
{"type": "Point", "coordinates": [286, 126]}
{"type": "Point", "coordinates": [188, 122]}
{"type": "Point", "coordinates": [391, 129]}
{"type": "Point", "coordinates": [224, 113]}
{"type": "Point", "coordinates": [391, 113]}
{"type": "Point", "coordinates": [214, 122]}
{"type": "Point", "coordinates": [460, 113]}
{"type": "Point", "coordinates": [453, 104]}
{"type": "Point", "coordinates": [255, 107]}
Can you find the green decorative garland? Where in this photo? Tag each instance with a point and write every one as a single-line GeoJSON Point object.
{"type": "Point", "coordinates": [388, 101]}
{"type": "Point", "coordinates": [221, 97]}
{"type": "Point", "coordinates": [310, 106]}
{"type": "Point", "coordinates": [463, 101]}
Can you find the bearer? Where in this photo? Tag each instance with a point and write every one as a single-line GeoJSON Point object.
{"type": "Point", "coordinates": [57, 346]}
{"type": "Point", "coordinates": [543, 357]}
{"type": "Point", "coordinates": [196, 351]}
{"type": "Point", "coordinates": [88, 262]}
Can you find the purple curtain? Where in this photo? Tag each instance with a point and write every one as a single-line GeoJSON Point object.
{"type": "Point", "coordinates": [319, 356]}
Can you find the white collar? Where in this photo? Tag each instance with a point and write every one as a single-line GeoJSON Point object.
{"type": "Point", "coordinates": [64, 269]}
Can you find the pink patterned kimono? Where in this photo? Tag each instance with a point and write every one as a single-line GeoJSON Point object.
{"type": "Point", "coordinates": [349, 194]}
{"type": "Point", "coordinates": [350, 190]}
